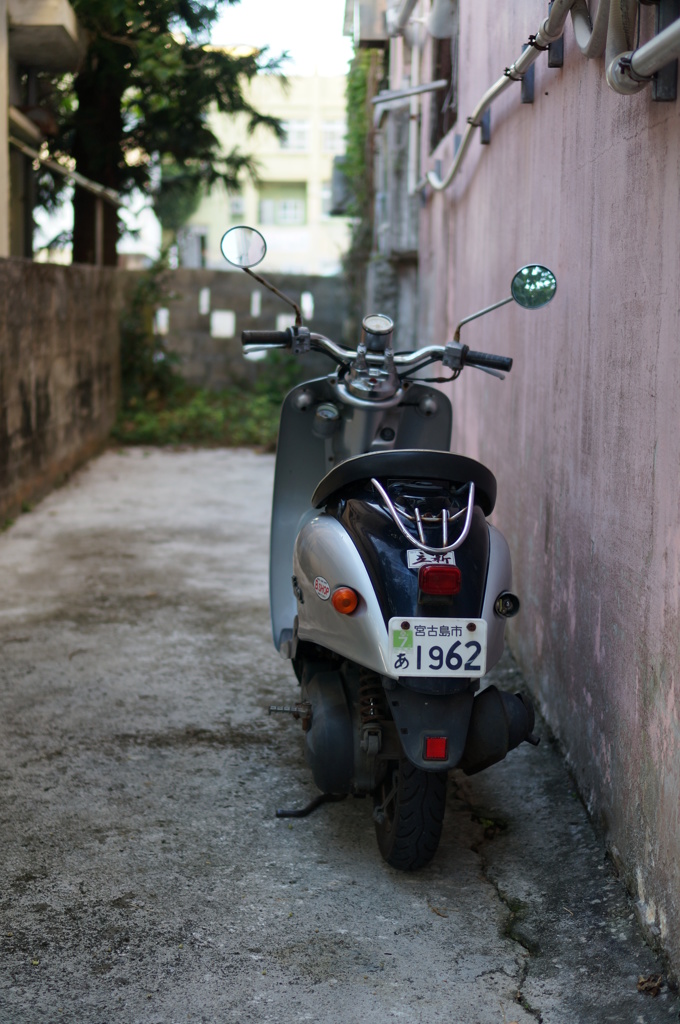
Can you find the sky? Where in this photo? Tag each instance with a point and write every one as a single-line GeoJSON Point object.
{"type": "Point", "coordinates": [311, 30]}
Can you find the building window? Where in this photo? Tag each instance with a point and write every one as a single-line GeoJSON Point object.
{"type": "Point", "coordinates": [333, 137]}
{"type": "Point", "coordinates": [444, 109]}
{"type": "Point", "coordinates": [296, 139]}
{"type": "Point", "coordinates": [326, 199]}
{"type": "Point", "coordinates": [267, 211]}
{"type": "Point", "coordinates": [192, 243]}
{"type": "Point", "coordinates": [284, 204]}
{"type": "Point", "coordinates": [290, 211]}
{"type": "Point", "coordinates": [237, 207]}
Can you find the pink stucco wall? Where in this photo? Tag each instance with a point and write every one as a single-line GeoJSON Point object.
{"type": "Point", "coordinates": [584, 435]}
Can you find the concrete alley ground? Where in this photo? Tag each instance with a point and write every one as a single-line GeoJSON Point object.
{"type": "Point", "coordinates": [144, 877]}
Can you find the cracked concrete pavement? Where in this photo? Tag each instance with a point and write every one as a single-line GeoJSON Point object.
{"type": "Point", "coordinates": [145, 878]}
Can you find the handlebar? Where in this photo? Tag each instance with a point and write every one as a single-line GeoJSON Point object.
{"type": "Point", "coordinates": [404, 361]}
{"type": "Point", "coordinates": [265, 338]}
{"type": "Point", "coordinates": [485, 359]}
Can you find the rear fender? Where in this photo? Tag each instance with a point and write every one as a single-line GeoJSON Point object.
{"type": "Point", "coordinates": [419, 715]}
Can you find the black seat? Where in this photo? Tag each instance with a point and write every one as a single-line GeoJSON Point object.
{"type": "Point", "coordinates": [410, 464]}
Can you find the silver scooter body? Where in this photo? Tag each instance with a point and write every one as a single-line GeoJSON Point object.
{"type": "Point", "coordinates": [311, 553]}
{"type": "Point", "coordinates": [376, 522]}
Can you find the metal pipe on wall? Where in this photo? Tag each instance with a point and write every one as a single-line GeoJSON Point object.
{"type": "Point", "coordinates": [627, 71]}
{"type": "Point", "coordinates": [638, 66]}
{"type": "Point", "coordinates": [397, 17]}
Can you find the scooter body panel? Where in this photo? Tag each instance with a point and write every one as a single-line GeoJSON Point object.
{"type": "Point", "coordinates": [498, 579]}
{"type": "Point", "coordinates": [324, 559]}
{"type": "Point", "coordinates": [357, 548]}
{"type": "Point", "coordinates": [305, 454]}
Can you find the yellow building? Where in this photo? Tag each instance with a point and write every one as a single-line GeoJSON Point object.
{"type": "Point", "coordinates": [291, 201]}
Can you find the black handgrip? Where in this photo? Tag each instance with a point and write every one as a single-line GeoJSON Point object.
{"type": "Point", "coordinates": [266, 338]}
{"type": "Point", "coordinates": [486, 359]}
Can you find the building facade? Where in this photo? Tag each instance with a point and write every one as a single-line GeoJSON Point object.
{"type": "Point", "coordinates": [566, 169]}
{"type": "Point", "coordinates": [34, 35]}
{"type": "Point", "coordinates": [291, 200]}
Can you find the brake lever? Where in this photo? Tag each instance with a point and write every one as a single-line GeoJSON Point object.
{"type": "Point", "coordinates": [487, 369]}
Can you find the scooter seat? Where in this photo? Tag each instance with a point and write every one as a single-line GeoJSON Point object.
{"type": "Point", "coordinates": [409, 464]}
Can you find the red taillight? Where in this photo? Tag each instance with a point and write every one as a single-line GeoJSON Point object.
{"type": "Point", "coordinates": [436, 748]}
{"type": "Point", "coordinates": [439, 580]}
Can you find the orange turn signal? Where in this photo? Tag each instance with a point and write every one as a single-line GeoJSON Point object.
{"type": "Point", "coordinates": [345, 600]}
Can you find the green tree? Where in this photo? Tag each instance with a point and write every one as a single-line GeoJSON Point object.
{"type": "Point", "coordinates": [140, 103]}
{"type": "Point", "coordinates": [363, 82]}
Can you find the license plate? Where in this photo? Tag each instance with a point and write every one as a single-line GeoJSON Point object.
{"type": "Point", "coordinates": [452, 648]}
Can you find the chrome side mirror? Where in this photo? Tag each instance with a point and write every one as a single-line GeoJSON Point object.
{"type": "Point", "coordinates": [533, 286]}
{"type": "Point", "coordinates": [243, 247]}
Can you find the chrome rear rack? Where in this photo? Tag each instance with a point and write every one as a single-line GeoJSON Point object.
{"type": "Point", "coordinates": [401, 519]}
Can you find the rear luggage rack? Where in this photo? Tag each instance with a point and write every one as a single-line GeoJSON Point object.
{"type": "Point", "coordinates": [403, 521]}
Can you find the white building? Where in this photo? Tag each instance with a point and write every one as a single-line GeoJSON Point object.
{"type": "Point", "coordinates": [291, 201]}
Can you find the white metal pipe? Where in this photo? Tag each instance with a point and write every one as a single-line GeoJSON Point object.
{"type": "Point", "coordinates": [473, 122]}
{"type": "Point", "coordinates": [658, 52]}
{"type": "Point", "coordinates": [441, 20]}
{"type": "Point", "coordinates": [403, 94]}
{"type": "Point", "coordinates": [550, 30]}
{"type": "Point", "coordinates": [413, 133]}
{"type": "Point", "coordinates": [619, 41]}
{"type": "Point", "coordinates": [591, 38]}
{"type": "Point", "coordinates": [553, 26]}
{"type": "Point", "coordinates": [397, 18]}
{"type": "Point", "coordinates": [628, 72]}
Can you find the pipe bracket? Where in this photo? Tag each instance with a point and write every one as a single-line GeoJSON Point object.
{"type": "Point", "coordinates": [537, 46]}
{"type": "Point", "coordinates": [625, 66]}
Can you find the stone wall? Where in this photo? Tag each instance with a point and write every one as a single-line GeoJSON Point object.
{"type": "Point", "coordinates": [584, 434]}
{"type": "Point", "coordinates": [210, 308]}
{"type": "Point", "coordinates": [59, 373]}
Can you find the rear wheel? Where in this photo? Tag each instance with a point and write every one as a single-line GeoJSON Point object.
{"type": "Point", "coordinates": [408, 814]}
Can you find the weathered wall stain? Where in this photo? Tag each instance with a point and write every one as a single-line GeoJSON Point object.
{"type": "Point", "coordinates": [59, 372]}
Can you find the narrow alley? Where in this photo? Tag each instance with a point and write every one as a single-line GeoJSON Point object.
{"type": "Point", "coordinates": [145, 877]}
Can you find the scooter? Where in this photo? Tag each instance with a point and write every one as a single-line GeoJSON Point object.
{"type": "Point", "coordinates": [389, 590]}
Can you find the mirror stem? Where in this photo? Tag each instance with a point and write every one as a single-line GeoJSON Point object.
{"type": "Point", "coordinates": [481, 312]}
{"type": "Point", "coordinates": [298, 312]}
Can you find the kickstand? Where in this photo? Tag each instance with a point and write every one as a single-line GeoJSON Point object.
{"type": "Point", "coordinates": [324, 798]}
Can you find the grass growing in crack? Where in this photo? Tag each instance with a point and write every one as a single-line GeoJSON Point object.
{"type": "Point", "coordinates": [244, 415]}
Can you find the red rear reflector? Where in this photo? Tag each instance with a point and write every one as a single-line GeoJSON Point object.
{"type": "Point", "coordinates": [439, 579]}
{"type": "Point", "coordinates": [436, 748]}
{"type": "Point", "coordinates": [344, 600]}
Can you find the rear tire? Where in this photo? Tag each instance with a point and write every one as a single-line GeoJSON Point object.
{"type": "Point", "coordinates": [409, 814]}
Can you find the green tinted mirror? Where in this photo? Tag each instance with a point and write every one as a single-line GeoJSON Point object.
{"type": "Point", "coordinates": [243, 247]}
{"type": "Point", "coordinates": [533, 286]}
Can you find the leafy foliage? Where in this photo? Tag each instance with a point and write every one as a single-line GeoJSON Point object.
{"type": "Point", "coordinates": [234, 416]}
{"type": "Point", "coordinates": [136, 113]}
{"type": "Point", "coordinates": [362, 84]}
{"type": "Point", "coordinates": [158, 407]}
{"type": "Point", "coordinates": [148, 370]}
